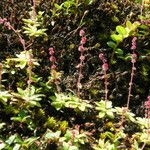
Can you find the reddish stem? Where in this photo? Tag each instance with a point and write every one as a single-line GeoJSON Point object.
{"type": "Point", "coordinates": [106, 87]}
{"type": "Point", "coordinates": [1, 68]}
{"type": "Point", "coordinates": [130, 84]}
{"type": "Point", "coordinates": [34, 8]}
{"type": "Point", "coordinates": [133, 60]}
{"type": "Point", "coordinates": [80, 76]}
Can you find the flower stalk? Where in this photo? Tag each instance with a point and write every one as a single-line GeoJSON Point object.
{"type": "Point", "coordinates": [29, 71]}
{"type": "Point", "coordinates": [34, 8]}
{"type": "Point", "coordinates": [52, 58]}
{"type": "Point", "coordinates": [82, 58]}
{"type": "Point", "coordinates": [105, 68]}
{"type": "Point", "coordinates": [55, 76]}
{"type": "Point", "coordinates": [133, 60]}
{"type": "Point", "coordinates": [147, 115]}
{"type": "Point", "coordinates": [10, 27]}
{"type": "Point", "coordinates": [1, 69]}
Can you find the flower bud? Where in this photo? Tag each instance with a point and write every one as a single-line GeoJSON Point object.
{"type": "Point", "coordinates": [101, 56]}
{"type": "Point", "coordinates": [51, 52]}
{"type": "Point", "coordinates": [81, 33]}
{"type": "Point", "coordinates": [52, 59]}
{"type": "Point", "coordinates": [51, 49]}
{"type": "Point", "coordinates": [53, 67]}
{"type": "Point", "coordinates": [133, 47]}
{"type": "Point", "coordinates": [81, 48]}
{"type": "Point", "coordinates": [105, 66]}
{"type": "Point", "coordinates": [82, 58]}
{"type": "Point", "coordinates": [134, 57]}
{"type": "Point", "coordinates": [83, 40]}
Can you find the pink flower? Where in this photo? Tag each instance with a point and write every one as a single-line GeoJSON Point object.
{"type": "Point", "coordinates": [81, 32]}
{"type": "Point", "coordinates": [134, 57]}
{"type": "Point", "coordinates": [101, 56]}
{"type": "Point", "coordinates": [145, 21]}
{"type": "Point", "coordinates": [51, 52]}
{"type": "Point", "coordinates": [105, 66]}
{"type": "Point", "coordinates": [83, 40]}
{"type": "Point", "coordinates": [51, 49]}
{"type": "Point", "coordinates": [81, 48]}
{"type": "Point", "coordinates": [52, 59]}
{"type": "Point", "coordinates": [2, 20]}
{"type": "Point", "coordinates": [82, 58]}
{"type": "Point", "coordinates": [53, 67]}
{"type": "Point", "coordinates": [7, 24]}
{"type": "Point", "coordinates": [147, 103]}
{"type": "Point", "coordinates": [134, 39]}
{"type": "Point", "coordinates": [133, 47]}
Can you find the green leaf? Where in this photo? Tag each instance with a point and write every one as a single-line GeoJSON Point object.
{"type": "Point", "coordinates": [100, 104]}
{"type": "Point", "coordinates": [2, 125]}
{"type": "Point", "coordinates": [57, 105]}
{"type": "Point", "coordinates": [108, 104]}
{"type": "Point", "coordinates": [109, 135]}
{"type": "Point", "coordinates": [11, 139]}
{"type": "Point", "coordinates": [59, 7]}
{"type": "Point", "coordinates": [119, 51]}
{"type": "Point", "coordinates": [129, 25]}
{"type": "Point", "coordinates": [117, 38]}
{"type": "Point", "coordinates": [30, 140]}
{"type": "Point", "coordinates": [28, 21]}
{"type": "Point", "coordinates": [142, 122]}
{"type": "Point", "coordinates": [135, 25]}
{"type": "Point", "coordinates": [101, 114]}
{"type": "Point", "coordinates": [66, 4]}
{"type": "Point", "coordinates": [82, 107]}
{"type": "Point", "coordinates": [73, 148]}
{"type": "Point", "coordinates": [2, 145]}
{"type": "Point", "coordinates": [68, 135]}
{"type": "Point", "coordinates": [130, 116]}
{"type": "Point", "coordinates": [65, 146]}
{"type": "Point", "coordinates": [110, 114]}
{"type": "Point", "coordinates": [12, 71]}
{"type": "Point", "coordinates": [128, 56]}
{"type": "Point", "coordinates": [21, 91]}
{"type": "Point", "coordinates": [112, 44]}
{"type": "Point", "coordinates": [22, 64]}
{"type": "Point", "coordinates": [4, 96]}
{"type": "Point", "coordinates": [121, 30]}
{"type": "Point", "coordinates": [71, 104]}
{"type": "Point", "coordinates": [34, 103]}
{"type": "Point", "coordinates": [115, 19]}
{"type": "Point", "coordinates": [136, 145]}
{"type": "Point", "coordinates": [52, 135]}
{"type": "Point", "coordinates": [17, 147]}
